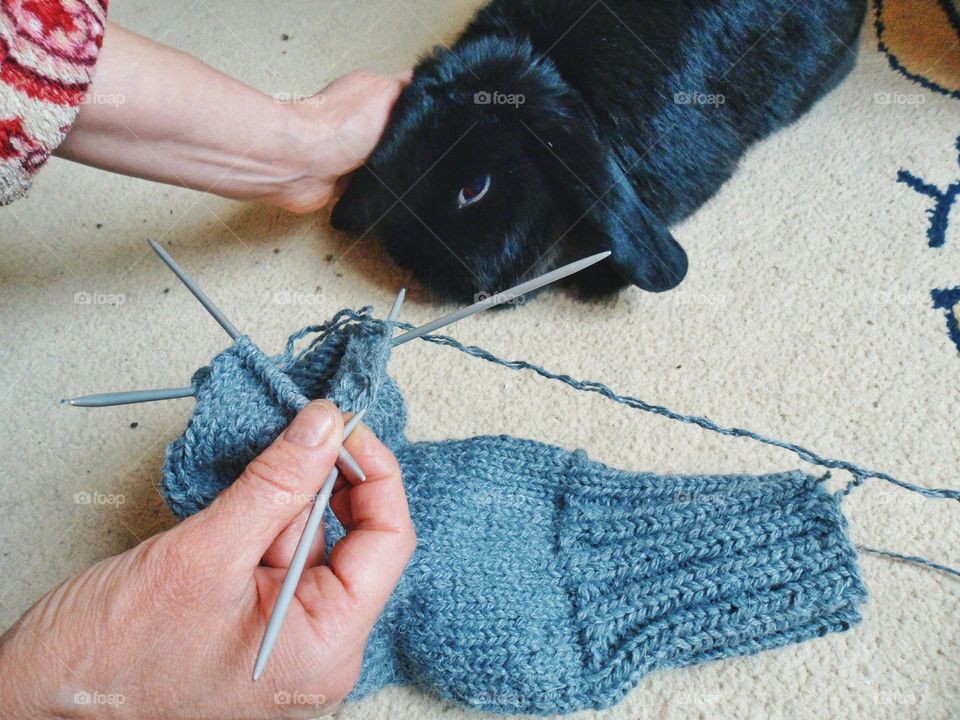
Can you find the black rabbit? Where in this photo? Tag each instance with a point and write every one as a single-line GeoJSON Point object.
{"type": "Point", "coordinates": [556, 128]}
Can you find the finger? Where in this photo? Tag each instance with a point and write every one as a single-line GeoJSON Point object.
{"type": "Point", "coordinates": [340, 504]}
{"type": "Point", "coordinates": [281, 552]}
{"type": "Point", "coordinates": [248, 516]}
{"type": "Point", "coordinates": [368, 561]}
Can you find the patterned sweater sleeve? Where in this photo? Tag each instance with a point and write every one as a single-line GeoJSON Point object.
{"type": "Point", "coordinates": [48, 49]}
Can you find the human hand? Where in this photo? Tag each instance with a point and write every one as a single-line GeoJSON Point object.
{"type": "Point", "coordinates": [341, 125]}
{"type": "Point", "coordinates": [179, 121]}
{"type": "Point", "coordinates": [170, 629]}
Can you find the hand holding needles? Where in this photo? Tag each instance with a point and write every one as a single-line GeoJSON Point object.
{"type": "Point", "coordinates": [311, 528]}
{"type": "Point", "coordinates": [299, 560]}
{"type": "Point", "coordinates": [295, 570]}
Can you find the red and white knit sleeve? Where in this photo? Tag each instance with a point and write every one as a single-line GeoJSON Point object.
{"type": "Point", "coordinates": [48, 49]}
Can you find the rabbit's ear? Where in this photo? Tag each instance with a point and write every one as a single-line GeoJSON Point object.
{"type": "Point", "coordinates": [643, 250]}
{"type": "Point", "coordinates": [360, 205]}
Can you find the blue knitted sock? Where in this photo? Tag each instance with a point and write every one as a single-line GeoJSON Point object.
{"type": "Point", "coordinates": [542, 582]}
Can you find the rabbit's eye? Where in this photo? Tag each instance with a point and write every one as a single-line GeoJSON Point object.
{"type": "Point", "coordinates": [474, 192]}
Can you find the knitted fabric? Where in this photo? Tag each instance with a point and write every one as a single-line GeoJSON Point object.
{"type": "Point", "coordinates": [542, 581]}
{"type": "Point", "coordinates": [48, 49]}
{"type": "Point", "coordinates": [245, 400]}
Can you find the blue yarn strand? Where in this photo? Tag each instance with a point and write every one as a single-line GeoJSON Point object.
{"type": "Point", "coordinates": [915, 559]}
{"type": "Point", "coordinates": [860, 474]}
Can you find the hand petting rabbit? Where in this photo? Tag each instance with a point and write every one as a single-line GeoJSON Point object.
{"type": "Point", "coordinates": [553, 129]}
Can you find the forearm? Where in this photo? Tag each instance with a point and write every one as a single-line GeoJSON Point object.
{"type": "Point", "coordinates": [159, 114]}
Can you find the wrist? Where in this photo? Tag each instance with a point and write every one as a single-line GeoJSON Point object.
{"type": "Point", "coordinates": [301, 161]}
{"type": "Point", "coordinates": [44, 677]}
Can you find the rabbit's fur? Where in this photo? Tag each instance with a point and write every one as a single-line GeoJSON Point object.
{"type": "Point", "coordinates": [599, 124]}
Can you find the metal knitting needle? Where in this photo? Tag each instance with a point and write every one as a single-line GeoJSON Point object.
{"type": "Point", "coordinates": [127, 398]}
{"type": "Point", "coordinates": [501, 297]}
{"type": "Point", "coordinates": [105, 399]}
{"type": "Point", "coordinates": [231, 330]}
{"type": "Point", "coordinates": [197, 292]}
{"type": "Point", "coordinates": [395, 309]}
{"type": "Point", "coordinates": [142, 396]}
{"type": "Point", "coordinates": [139, 396]}
{"type": "Point", "coordinates": [299, 560]}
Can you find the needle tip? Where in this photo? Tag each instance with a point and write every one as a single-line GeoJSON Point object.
{"type": "Point", "coordinates": [397, 304]}
{"type": "Point", "coordinates": [66, 401]}
{"type": "Point", "coordinates": [347, 461]}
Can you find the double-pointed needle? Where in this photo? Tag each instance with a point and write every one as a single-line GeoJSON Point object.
{"type": "Point", "coordinates": [299, 560]}
{"type": "Point", "coordinates": [125, 398]}
{"type": "Point", "coordinates": [138, 396]}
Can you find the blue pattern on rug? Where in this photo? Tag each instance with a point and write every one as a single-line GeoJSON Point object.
{"type": "Point", "coordinates": [943, 202]}
{"type": "Point", "coordinates": [947, 300]}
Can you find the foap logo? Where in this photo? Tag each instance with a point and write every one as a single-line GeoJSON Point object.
{"type": "Point", "coordinates": [687, 297]}
{"type": "Point", "coordinates": [100, 98]}
{"type": "Point", "coordinates": [889, 298]}
{"type": "Point", "coordinates": [299, 699]}
{"type": "Point", "coordinates": [294, 297]}
{"type": "Point", "coordinates": [682, 497]}
{"type": "Point", "coordinates": [96, 297]}
{"type": "Point", "coordinates": [289, 498]}
{"type": "Point", "coordinates": [485, 699]}
{"type": "Point", "coordinates": [285, 98]}
{"type": "Point", "coordinates": [487, 500]}
{"type": "Point", "coordinates": [697, 699]}
{"type": "Point", "coordinates": [486, 97]}
{"type": "Point", "coordinates": [896, 697]}
{"type": "Point", "coordinates": [93, 697]}
{"type": "Point", "coordinates": [695, 97]}
{"type": "Point", "coordinates": [83, 497]}
{"type": "Point", "coordinates": [500, 298]}
{"type": "Point", "coordinates": [899, 98]}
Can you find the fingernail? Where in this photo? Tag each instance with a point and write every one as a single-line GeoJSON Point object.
{"type": "Point", "coordinates": [310, 426]}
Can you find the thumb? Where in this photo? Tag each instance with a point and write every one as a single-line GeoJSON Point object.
{"type": "Point", "coordinates": [276, 486]}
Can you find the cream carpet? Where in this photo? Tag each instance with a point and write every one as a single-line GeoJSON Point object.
{"type": "Point", "coordinates": [807, 314]}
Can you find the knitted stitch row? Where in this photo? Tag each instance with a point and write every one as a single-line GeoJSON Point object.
{"type": "Point", "coordinates": [543, 582]}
